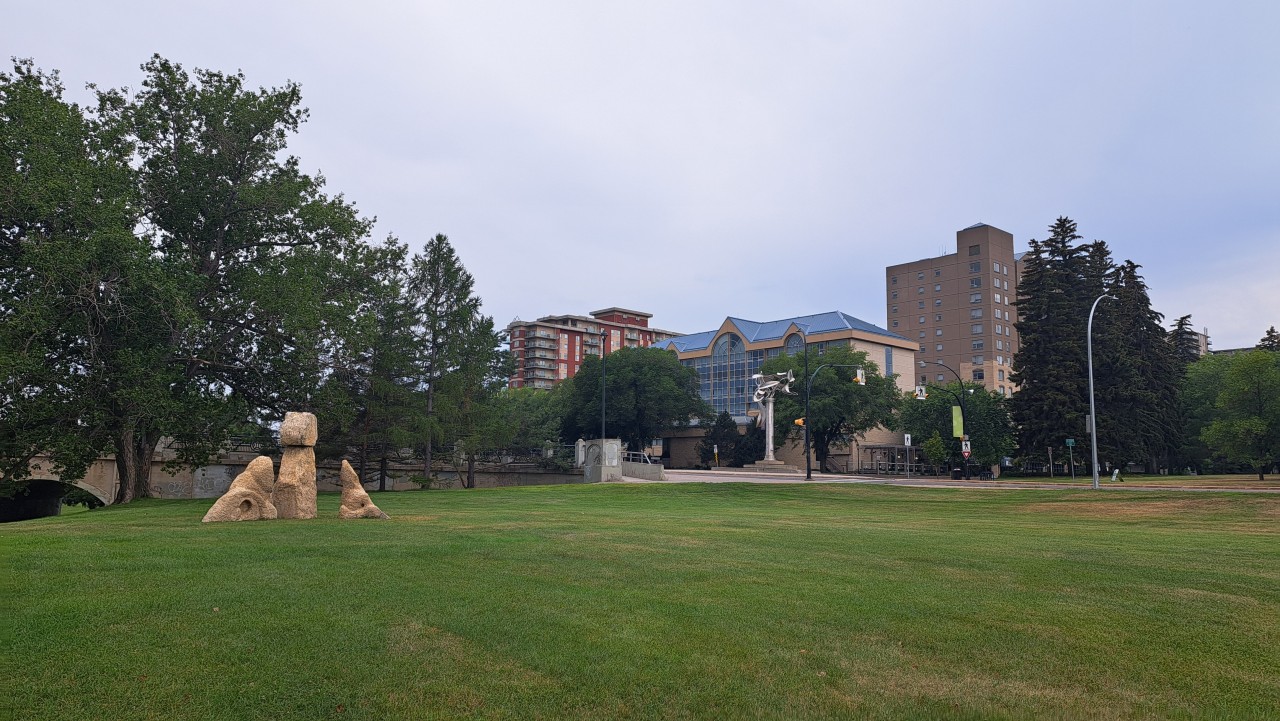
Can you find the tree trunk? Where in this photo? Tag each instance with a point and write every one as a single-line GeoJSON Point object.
{"type": "Point", "coordinates": [382, 473]}
{"type": "Point", "coordinates": [426, 455]}
{"type": "Point", "coordinates": [134, 452]}
{"type": "Point", "coordinates": [471, 471]}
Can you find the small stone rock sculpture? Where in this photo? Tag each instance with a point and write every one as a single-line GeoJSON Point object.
{"type": "Point", "coordinates": [295, 492]}
{"type": "Point", "coordinates": [249, 497]}
{"type": "Point", "coordinates": [355, 500]}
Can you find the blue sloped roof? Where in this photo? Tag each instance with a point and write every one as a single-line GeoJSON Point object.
{"type": "Point", "coordinates": [754, 332]}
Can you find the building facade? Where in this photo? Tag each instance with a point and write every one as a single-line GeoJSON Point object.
{"type": "Point", "coordinates": [552, 348]}
{"type": "Point", "coordinates": [959, 309]}
{"type": "Point", "coordinates": [728, 356]}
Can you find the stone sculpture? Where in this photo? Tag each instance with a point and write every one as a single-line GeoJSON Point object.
{"type": "Point", "coordinates": [249, 497]}
{"type": "Point", "coordinates": [295, 491]}
{"type": "Point", "coordinates": [355, 500]}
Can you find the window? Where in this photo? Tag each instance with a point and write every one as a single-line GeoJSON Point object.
{"type": "Point", "coordinates": [998, 329]}
{"type": "Point", "coordinates": [939, 348]}
{"type": "Point", "coordinates": [938, 332]}
{"type": "Point", "coordinates": [975, 267]}
{"type": "Point", "coordinates": [975, 250]}
{"type": "Point", "coordinates": [894, 295]}
{"type": "Point", "coordinates": [937, 287]}
{"type": "Point", "coordinates": [922, 320]}
{"type": "Point", "coordinates": [997, 297]}
{"type": "Point", "coordinates": [920, 275]}
{"type": "Point", "coordinates": [888, 361]}
{"type": "Point", "coordinates": [995, 267]}
{"type": "Point", "coordinates": [921, 334]}
{"type": "Point", "coordinates": [1000, 375]}
{"type": "Point", "coordinates": [976, 329]}
{"type": "Point", "coordinates": [975, 282]}
{"type": "Point", "coordinates": [979, 374]}
{"type": "Point", "coordinates": [937, 272]}
{"type": "Point", "coordinates": [894, 309]}
{"type": "Point", "coordinates": [937, 303]}
{"type": "Point", "coordinates": [795, 342]}
{"type": "Point", "coordinates": [1006, 315]}
{"type": "Point", "coordinates": [975, 313]}
{"type": "Point", "coordinates": [999, 344]}
{"type": "Point", "coordinates": [922, 347]}
{"type": "Point", "coordinates": [920, 290]}
{"type": "Point", "coordinates": [893, 280]}
{"type": "Point", "coordinates": [975, 297]}
{"type": "Point", "coordinates": [999, 360]}
{"type": "Point", "coordinates": [937, 318]}
{"type": "Point", "coordinates": [977, 360]}
{"type": "Point", "coordinates": [977, 345]}
{"type": "Point", "coordinates": [941, 378]}
{"type": "Point", "coordinates": [920, 304]}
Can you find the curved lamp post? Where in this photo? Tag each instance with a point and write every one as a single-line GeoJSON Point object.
{"type": "Point", "coordinates": [1093, 417]}
{"type": "Point", "coordinates": [808, 390]}
{"type": "Point", "coordinates": [959, 399]}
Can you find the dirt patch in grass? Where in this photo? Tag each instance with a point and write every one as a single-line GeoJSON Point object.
{"type": "Point", "coordinates": [1151, 508]}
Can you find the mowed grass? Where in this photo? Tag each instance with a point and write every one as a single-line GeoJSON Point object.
{"type": "Point", "coordinates": [716, 601]}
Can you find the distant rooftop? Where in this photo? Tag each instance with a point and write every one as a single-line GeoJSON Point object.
{"type": "Point", "coordinates": [754, 331]}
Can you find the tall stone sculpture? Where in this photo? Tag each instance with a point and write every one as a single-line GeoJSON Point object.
{"type": "Point", "coordinates": [355, 500]}
{"type": "Point", "coordinates": [767, 386]}
{"type": "Point", "coordinates": [295, 492]}
{"type": "Point", "coordinates": [249, 497]}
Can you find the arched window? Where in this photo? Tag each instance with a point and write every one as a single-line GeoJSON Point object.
{"type": "Point", "coordinates": [729, 375]}
{"type": "Point", "coordinates": [795, 344]}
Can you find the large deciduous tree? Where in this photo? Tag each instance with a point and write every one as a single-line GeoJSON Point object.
{"type": "Point", "coordinates": [190, 277]}
{"type": "Point", "coordinates": [647, 393]}
{"type": "Point", "coordinates": [1246, 421]}
{"type": "Point", "coordinates": [839, 408]}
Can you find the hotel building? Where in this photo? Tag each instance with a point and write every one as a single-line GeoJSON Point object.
{"type": "Point", "coordinates": [552, 348]}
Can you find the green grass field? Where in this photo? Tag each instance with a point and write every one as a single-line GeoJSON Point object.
{"type": "Point", "coordinates": [666, 601]}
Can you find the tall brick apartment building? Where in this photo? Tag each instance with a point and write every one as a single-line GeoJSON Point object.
{"type": "Point", "coordinates": [960, 308]}
{"type": "Point", "coordinates": [552, 348]}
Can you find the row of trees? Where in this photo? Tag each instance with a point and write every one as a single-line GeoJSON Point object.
{"type": "Point", "coordinates": [167, 271]}
{"type": "Point", "coordinates": [1159, 404]}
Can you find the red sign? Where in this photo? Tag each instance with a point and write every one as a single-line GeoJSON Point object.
{"type": "Point", "coordinates": [965, 454]}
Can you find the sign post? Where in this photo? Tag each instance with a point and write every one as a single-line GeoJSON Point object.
{"type": "Point", "coordinates": [1071, 444]}
{"type": "Point", "coordinates": [906, 439]}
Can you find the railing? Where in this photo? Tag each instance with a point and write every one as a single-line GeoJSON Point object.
{"type": "Point", "coordinates": [636, 457]}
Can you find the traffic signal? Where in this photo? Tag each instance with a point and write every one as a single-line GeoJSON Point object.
{"type": "Point", "coordinates": [861, 378]}
{"type": "Point", "coordinates": [799, 421]}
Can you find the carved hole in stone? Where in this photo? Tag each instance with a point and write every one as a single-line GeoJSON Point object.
{"type": "Point", "coordinates": [245, 505]}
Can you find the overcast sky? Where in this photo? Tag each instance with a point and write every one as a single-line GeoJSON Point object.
{"type": "Point", "coordinates": [757, 159]}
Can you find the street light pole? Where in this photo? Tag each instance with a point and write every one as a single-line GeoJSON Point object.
{"type": "Point", "coordinates": [1093, 417]}
{"type": "Point", "coordinates": [808, 388]}
{"type": "Point", "coordinates": [964, 421]}
{"type": "Point", "coordinates": [603, 335]}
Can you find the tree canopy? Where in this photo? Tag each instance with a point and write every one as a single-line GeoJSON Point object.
{"type": "Point", "coordinates": [839, 408]}
{"type": "Point", "coordinates": [648, 392]}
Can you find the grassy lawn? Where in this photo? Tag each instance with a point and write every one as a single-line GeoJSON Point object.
{"type": "Point", "coordinates": [715, 601]}
{"type": "Point", "coordinates": [1236, 480]}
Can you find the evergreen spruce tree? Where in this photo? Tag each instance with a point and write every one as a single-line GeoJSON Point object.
{"type": "Point", "coordinates": [1184, 342]}
{"type": "Point", "coordinates": [1136, 377]}
{"type": "Point", "coordinates": [1270, 341]}
{"type": "Point", "coordinates": [1049, 367]}
{"type": "Point", "coordinates": [447, 311]}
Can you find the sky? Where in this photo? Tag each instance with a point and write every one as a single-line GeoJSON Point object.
{"type": "Point", "coordinates": [762, 160]}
